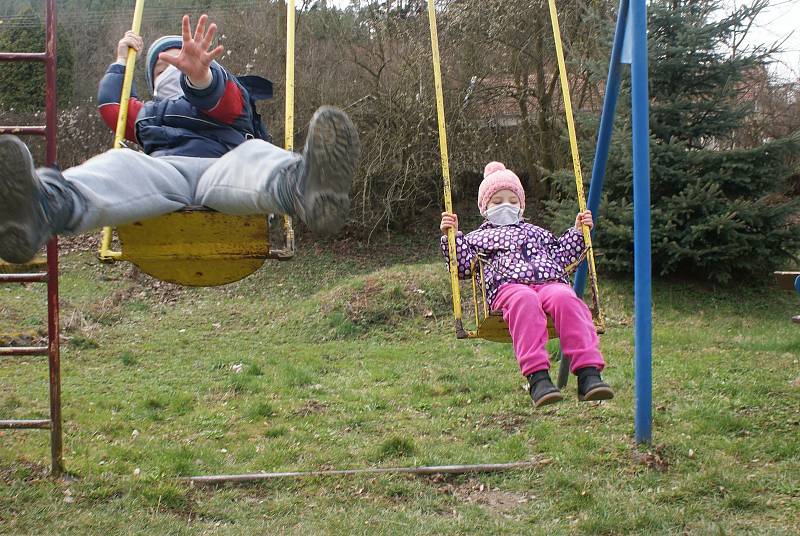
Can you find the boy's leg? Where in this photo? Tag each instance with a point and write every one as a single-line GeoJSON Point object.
{"type": "Point", "coordinates": [573, 323]}
{"type": "Point", "coordinates": [115, 187]}
{"type": "Point", "coordinates": [260, 178]}
{"type": "Point", "coordinates": [527, 323]}
{"type": "Point", "coordinates": [250, 179]}
{"type": "Point", "coordinates": [122, 186]}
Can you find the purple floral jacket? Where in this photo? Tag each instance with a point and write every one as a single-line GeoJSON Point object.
{"type": "Point", "coordinates": [519, 253]}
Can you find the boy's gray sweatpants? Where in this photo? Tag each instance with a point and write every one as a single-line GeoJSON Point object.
{"type": "Point", "coordinates": [122, 186]}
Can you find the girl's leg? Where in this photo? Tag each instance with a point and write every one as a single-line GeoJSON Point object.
{"type": "Point", "coordinates": [573, 323]}
{"type": "Point", "coordinates": [527, 323]}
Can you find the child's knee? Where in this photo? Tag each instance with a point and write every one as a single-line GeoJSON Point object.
{"type": "Point", "coordinates": [563, 292]}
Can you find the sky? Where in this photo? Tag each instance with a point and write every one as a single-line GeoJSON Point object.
{"type": "Point", "coordinates": [777, 22]}
{"type": "Point", "coordinates": [780, 20]}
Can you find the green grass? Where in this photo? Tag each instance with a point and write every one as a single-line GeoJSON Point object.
{"type": "Point", "coordinates": [345, 358]}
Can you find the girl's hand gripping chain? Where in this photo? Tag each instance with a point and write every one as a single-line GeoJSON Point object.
{"type": "Point", "coordinates": [449, 221]}
{"type": "Point", "coordinates": [584, 218]}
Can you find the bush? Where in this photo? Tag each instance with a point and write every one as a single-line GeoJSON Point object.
{"type": "Point", "coordinates": [23, 83]}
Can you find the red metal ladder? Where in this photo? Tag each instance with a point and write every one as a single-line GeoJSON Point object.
{"type": "Point", "coordinates": [51, 275]}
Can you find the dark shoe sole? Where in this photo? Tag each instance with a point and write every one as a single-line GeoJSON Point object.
{"type": "Point", "coordinates": [549, 398]}
{"type": "Point", "coordinates": [598, 393]}
{"type": "Point", "coordinates": [330, 156]}
{"type": "Point", "coordinates": [20, 213]}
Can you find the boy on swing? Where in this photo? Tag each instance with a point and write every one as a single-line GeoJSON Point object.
{"type": "Point", "coordinates": [201, 147]}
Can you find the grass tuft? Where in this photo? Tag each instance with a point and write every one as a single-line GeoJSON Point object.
{"type": "Point", "coordinates": [395, 447]}
{"type": "Point", "coordinates": [127, 358]}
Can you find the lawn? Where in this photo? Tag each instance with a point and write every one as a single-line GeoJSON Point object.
{"type": "Point", "coordinates": [344, 358]}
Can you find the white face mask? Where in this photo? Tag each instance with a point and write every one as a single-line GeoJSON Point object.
{"type": "Point", "coordinates": [168, 83]}
{"type": "Point", "coordinates": [504, 214]}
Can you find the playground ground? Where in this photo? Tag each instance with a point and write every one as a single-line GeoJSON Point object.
{"type": "Point", "coordinates": [346, 359]}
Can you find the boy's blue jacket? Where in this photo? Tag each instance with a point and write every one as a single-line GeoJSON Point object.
{"type": "Point", "coordinates": [202, 123]}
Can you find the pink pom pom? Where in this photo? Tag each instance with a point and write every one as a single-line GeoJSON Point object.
{"type": "Point", "coordinates": [491, 167]}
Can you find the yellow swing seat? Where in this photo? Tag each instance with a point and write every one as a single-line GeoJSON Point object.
{"type": "Point", "coordinates": [197, 247]}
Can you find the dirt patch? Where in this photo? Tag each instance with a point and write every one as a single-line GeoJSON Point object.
{"type": "Point", "coordinates": [508, 422]}
{"type": "Point", "coordinates": [151, 288]}
{"type": "Point", "coordinates": [74, 244]}
{"type": "Point", "coordinates": [475, 492]}
{"type": "Point", "coordinates": [655, 458]}
{"type": "Point", "coordinates": [311, 408]}
{"type": "Point", "coordinates": [23, 471]}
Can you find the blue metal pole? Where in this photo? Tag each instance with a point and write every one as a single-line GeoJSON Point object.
{"type": "Point", "coordinates": [600, 156]}
{"type": "Point", "coordinates": [604, 132]}
{"type": "Point", "coordinates": [643, 338]}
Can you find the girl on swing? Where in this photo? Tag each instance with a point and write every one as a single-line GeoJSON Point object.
{"type": "Point", "coordinates": [526, 280]}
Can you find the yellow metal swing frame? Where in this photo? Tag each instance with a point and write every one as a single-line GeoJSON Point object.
{"type": "Point", "coordinates": [197, 246]}
{"type": "Point", "coordinates": [490, 324]}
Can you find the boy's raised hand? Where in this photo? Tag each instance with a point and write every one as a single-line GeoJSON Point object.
{"type": "Point", "coordinates": [449, 221]}
{"type": "Point", "coordinates": [195, 58]}
{"type": "Point", "coordinates": [584, 218]}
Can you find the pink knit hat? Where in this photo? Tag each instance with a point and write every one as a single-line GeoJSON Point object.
{"type": "Point", "coordinates": [495, 178]}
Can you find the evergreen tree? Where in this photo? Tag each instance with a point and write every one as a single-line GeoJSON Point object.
{"type": "Point", "coordinates": [717, 212]}
{"type": "Point", "coordinates": [23, 83]}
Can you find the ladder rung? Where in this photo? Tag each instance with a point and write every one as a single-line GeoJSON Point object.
{"type": "Point", "coordinates": [22, 424]}
{"type": "Point", "coordinates": [23, 56]}
{"type": "Point", "coordinates": [24, 278]}
{"type": "Point", "coordinates": [23, 350]}
{"type": "Point", "coordinates": [37, 130]}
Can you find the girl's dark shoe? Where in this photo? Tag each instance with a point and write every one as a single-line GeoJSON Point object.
{"type": "Point", "coordinates": [591, 386]}
{"type": "Point", "coordinates": [542, 390]}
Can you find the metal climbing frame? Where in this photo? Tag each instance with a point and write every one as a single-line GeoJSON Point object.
{"type": "Point", "coordinates": [48, 130]}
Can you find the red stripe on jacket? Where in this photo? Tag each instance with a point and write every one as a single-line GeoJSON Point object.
{"type": "Point", "coordinates": [110, 113]}
{"type": "Point", "coordinates": [230, 106]}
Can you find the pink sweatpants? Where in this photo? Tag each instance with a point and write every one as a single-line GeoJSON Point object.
{"type": "Point", "coordinates": [525, 309]}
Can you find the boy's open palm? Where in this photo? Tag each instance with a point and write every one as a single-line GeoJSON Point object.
{"type": "Point", "coordinates": [195, 58]}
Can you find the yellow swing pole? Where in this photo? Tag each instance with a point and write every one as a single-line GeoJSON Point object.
{"type": "Point", "coordinates": [122, 119]}
{"type": "Point", "coordinates": [576, 160]}
{"type": "Point", "coordinates": [448, 198]}
{"type": "Point", "coordinates": [288, 136]}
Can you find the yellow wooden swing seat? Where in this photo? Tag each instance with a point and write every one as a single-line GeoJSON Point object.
{"type": "Point", "coordinates": [198, 247]}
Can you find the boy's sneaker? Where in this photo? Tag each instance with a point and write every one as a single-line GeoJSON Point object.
{"type": "Point", "coordinates": [591, 386]}
{"type": "Point", "coordinates": [326, 170]}
{"type": "Point", "coordinates": [542, 390]}
{"type": "Point", "coordinates": [24, 227]}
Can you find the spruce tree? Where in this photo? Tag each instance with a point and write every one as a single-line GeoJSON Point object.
{"type": "Point", "coordinates": [718, 210]}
